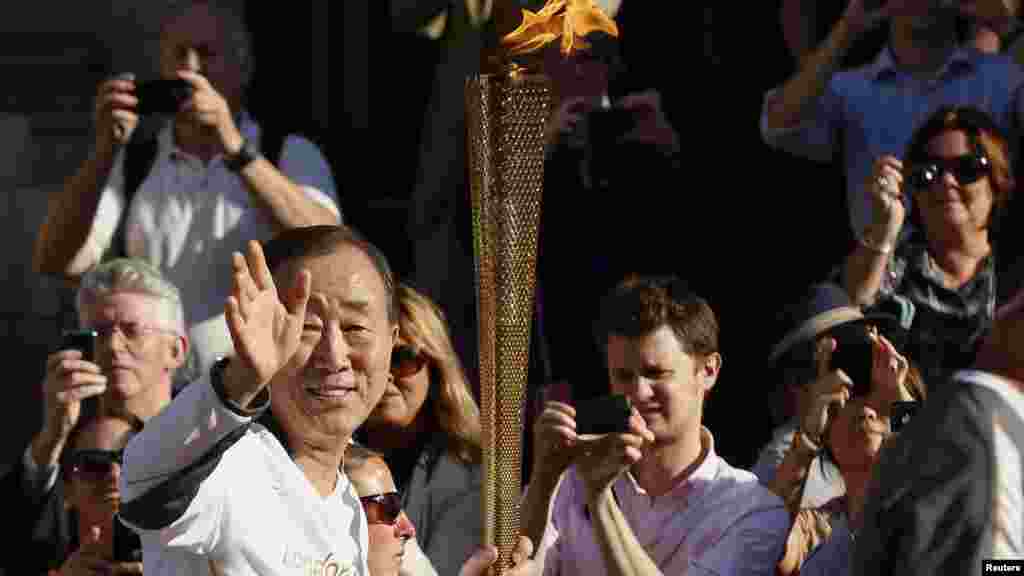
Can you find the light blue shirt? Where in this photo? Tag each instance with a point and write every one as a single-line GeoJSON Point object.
{"type": "Point", "coordinates": [873, 110]}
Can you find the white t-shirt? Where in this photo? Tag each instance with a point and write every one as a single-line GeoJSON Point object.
{"type": "Point", "coordinates": [254, 513]}
{"type": "Point", "coordinates": [186, 218]}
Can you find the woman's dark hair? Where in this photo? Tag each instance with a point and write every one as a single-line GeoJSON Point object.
{"type": "Point", "coordinates": [83, 423]}
{"type": "Point", "coordinates": [984, 136]}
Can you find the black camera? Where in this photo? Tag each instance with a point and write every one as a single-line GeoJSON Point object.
{"type": "Point", "coordinates": [163, 97]}
{"type": "Point", "coordinates": [604, 415]}
{"type": "Point", "coordinates": [82, 340]}
{"type": "Point", "coordinates": [901, 415]}
{"type": "Point", "coordinates": [854, 355]}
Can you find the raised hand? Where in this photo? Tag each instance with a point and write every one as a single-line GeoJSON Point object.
{"type": "Point", "coordinates": [69, 380]}
{"type": "Point", "coordinates": [265, 326]}
{"type": "Point", "coordinates": [115, 111]}
{"type": "Point", "coordinates": [209, 109]}
{"type": "Point", "coordinates": [554, 440]}
{"type": "Point", "coordinates": [889, 371]}
{"type": "Point", "coordinates": [601, 459]}
{"type": "Point", "coordinates": [829, 393]}
{"type": "Point", "coordinates": [887, 209]}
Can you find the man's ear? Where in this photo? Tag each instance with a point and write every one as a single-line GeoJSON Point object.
{"type": "Point", "coordinates": [179, 352]}
{"type": "Point", "coordinates": [710, 368]}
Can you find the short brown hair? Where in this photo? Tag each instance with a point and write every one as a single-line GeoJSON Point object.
{"type": "Point", "coordinates": [311, 241]}
{"type": "Point", "coordinates": [984, 136]}
{"type": "Point", "coordinates": [640, 305]}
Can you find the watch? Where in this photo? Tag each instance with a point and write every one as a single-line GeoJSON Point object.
{"type": "Point", "coordinates": [245, 155]}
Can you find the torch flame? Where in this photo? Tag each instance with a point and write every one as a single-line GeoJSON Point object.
{"type": "Point", "coordinates": [569, 20]}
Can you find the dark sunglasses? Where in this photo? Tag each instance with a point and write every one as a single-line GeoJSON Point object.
{"type": "Point", "coordinates": [382, 508]}
{"type": "Point", "coordinates": [967, 169]}
{"type": "Point", "coordinates": [406, 361]}
{"type": "Point", "coordinates": [94, 465]}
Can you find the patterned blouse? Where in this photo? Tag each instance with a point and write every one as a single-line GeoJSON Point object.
{"type": "Point", "coordinates": [945, 324]}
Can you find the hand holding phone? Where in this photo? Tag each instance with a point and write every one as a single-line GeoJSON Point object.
{"type": "Point", "coordinates": [82, 340]}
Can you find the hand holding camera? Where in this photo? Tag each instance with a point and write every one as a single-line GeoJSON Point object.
{"type": "Point", "coordinates": [71, 377]}
{"type": "Point", "coordinates": [602, 458]}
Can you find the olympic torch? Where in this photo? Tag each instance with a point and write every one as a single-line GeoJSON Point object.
{"type": "Point", "coordinates": [507, 110]}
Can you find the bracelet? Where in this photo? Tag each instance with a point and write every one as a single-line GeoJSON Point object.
{"type": "Point", "coordinates": [884, 249]}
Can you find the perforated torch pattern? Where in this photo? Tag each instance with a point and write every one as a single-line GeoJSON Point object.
{"type": "Point", "coordinates": [506, 116]}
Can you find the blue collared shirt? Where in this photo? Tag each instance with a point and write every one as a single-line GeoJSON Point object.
{"type": "Point", "coordinates": [873, 110]}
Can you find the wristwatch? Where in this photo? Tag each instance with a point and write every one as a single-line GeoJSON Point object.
{"type": "Point", "coordinates": [245, 155]}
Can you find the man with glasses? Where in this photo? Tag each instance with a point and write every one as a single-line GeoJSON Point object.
{"type": "Point", "coordinates": [140, 345]}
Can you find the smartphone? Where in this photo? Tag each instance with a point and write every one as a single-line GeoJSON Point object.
{"type": "Point", "coordinates": [604, 415]}
{"type": "Point", "coordinates": [82, 340]}
{"type": "Point", "coordinates": [854, 355]}
{"type": "Point", "coordinates": [162, 97]}
{"type": "Point", "coordinates": [127, 545]}
{"type": "Point", "coordinates": [901, 414]}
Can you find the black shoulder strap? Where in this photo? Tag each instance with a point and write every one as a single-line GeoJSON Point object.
{"type": "Point", "coordinates": [139, 156]}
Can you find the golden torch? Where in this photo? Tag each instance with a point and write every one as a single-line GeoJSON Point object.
{"type": "Point", "coordinates": [507, 110]}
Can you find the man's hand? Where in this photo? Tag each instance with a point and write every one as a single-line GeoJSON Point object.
{"type": "Point", "coordinates": [265, 327]}
{"type": "Point", "coordinates": [650, 124]}
{"type": "Point", "coordinates": [554, 440]}
{"type": "Point", "coordinates": [483, 558]}
{"type": "Point", "coordinates": [69, 380]}
{"type": "Point", "coordinates": [602, 459]}
{"type": "Point", "coordinates": [115, 114]}
{"type": "Point", "coordinates": [209, 109]}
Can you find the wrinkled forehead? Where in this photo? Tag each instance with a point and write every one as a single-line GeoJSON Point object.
{"type": "Point", "coordinates": [196, 25]}
{"type": "Point", "coordinates": [373, 477]}
{"type": "Point", "coordinates": [343, 281]}
{"type": "Point", "coordinates": [125, 306]}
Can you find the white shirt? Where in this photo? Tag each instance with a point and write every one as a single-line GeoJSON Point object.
{"type": "Point", "coordinates": [187, 218]}
{"type": "Point", "coordinates": [256, 513]}
{"type": "Point", "coordinates": [718, 521]}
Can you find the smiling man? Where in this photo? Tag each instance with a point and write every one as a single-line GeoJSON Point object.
{"type": "Point", "coordinates": [206, 486]}
{"type": "Point", "coordinates": [656, 499]}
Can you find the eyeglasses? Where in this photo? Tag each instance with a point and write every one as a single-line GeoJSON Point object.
{"type": "Point", "coordinates": [382, 508]}
{"type": "Point", "coordinates": [133, 332]}
{"type": "Point", "coordinates": [94, 465]}
{"type": "Point", "coordinates": [967, 169]}
{"type": "Point", "coordinates": [406, 360]}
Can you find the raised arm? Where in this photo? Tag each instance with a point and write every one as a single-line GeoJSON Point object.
{"type": "Point", "coordinates": [865, 267]}
{"type": "Point", "coordinates": [71, 212]}
{"type": "Point", "coordinates": [787, 107]}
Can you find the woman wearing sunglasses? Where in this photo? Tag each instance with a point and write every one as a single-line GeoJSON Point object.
{"type": "Point", "coordinates": [427, 425]}
{"type": "Point", "coordinates": [91, 468]}
{"type": "Point", "coordinates": [846, 423]}
{"type": "Point", "coordinates": [941, 270]}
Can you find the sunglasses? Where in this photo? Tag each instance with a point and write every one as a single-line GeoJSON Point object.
{"type": "Point", "coordinates": [406, 361]}
{"type": "Point", "coordinates": [94, 465]}
{"type": "Point", "coordinates": [967, 169]}
{"type": "Point", "coordinates": [382, 508]}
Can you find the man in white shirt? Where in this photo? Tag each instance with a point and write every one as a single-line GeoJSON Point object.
{"type": "Point", "coordinates": [206, 485]}
{"type": "Point", "coordinates": [208, 188]}
{"type": "Point", "coordinates": [656, 499]}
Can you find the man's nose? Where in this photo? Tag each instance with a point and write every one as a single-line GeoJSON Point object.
{"type": "Point", "coordinates": [190, 60]}
{"type": "Point", "coordinates": [333, 349]}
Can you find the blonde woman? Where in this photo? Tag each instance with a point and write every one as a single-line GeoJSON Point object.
{"type": "Point", "coordinates": [427, 425]}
